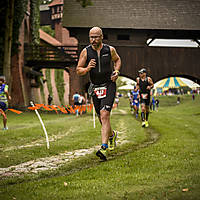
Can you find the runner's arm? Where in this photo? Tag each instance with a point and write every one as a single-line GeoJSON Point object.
{"type": "Point", "coordinates": [117, 63]}
{"type": "Point", "coordinates": [116, 59]}
{"type": "Point", "coordinates": [7, 95]}
{"type": "Point", "coordinates": [151, 85]}
{"type": "Point", "coordinates": [137, 84]}
{"type": "Point", "coordinates": [81, 69]}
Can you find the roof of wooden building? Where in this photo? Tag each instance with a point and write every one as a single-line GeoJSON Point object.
{"type": "Point", "coordinates": [134, 14]}
{"type": "Point", "coordinates": [56, 2]}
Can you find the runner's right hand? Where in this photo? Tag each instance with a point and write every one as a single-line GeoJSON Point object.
{"type": "Point", "coordinates": [91, 64]}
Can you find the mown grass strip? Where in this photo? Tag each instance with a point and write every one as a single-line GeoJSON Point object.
{"type": "Point", "coordinates": [166, 169]}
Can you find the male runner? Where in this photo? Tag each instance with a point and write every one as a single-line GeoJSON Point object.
{"type": "Point", "coordinates": [96, 59]}
{"type": "Point", "coordinates": [144, 84]}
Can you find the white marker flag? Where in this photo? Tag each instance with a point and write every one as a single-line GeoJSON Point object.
{"type": "Point", "coordinates": [45, 131]}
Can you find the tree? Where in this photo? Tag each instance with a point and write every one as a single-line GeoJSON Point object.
{"type": "Point", "coordinates": [8, 39]}
{"type": "Point", "coordinates": [11, 18]}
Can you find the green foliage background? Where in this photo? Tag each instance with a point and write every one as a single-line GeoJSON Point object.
{"type": "Point", "coordinates": [59, 81]}
{"type": "Point", "coordinates": [48, 77]}
{"type": "Point", "coordinates": [60, 84]}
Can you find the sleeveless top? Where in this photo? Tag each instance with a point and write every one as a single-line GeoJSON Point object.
{"type": "Point", "coordinates": [3, 97]}
{"type": "Point", "coordinates": [143, 86]}
{"type": "Point", "coordinates": [102, 72]}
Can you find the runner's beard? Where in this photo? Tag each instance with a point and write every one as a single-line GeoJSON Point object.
{"type": "Point", "coordinates": [96, 45]}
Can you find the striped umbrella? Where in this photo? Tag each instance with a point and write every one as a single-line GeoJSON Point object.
{"type": "Point", "coordinates": [171, 82]}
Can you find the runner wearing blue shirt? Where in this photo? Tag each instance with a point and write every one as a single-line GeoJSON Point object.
{"type": "Point", "coordinates": [75, 98]}
{"type": "Point", "coordinates": [135, 103]}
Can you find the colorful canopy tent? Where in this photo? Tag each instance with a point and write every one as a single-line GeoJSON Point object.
{"type": "Point", "coordinates": [194, 86]}
{"type": "Point", "coordinates": [171, 82]}
{"type": "Point", "coordinates": [126, 87]}
{"type": "Point", "coordinates": [190, 83]}
{"type": "Point", "coordinates": [167, 83]}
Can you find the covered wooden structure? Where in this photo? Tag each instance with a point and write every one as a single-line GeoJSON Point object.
{"type": "Point", "coordinates": [128, 25]}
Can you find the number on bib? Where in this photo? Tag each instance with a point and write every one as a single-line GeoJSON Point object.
{"type": "Point", "coordinates": [100, 92]}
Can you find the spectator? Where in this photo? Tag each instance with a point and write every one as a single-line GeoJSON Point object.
{"type": "Point", "coordinates": [49, 99]}
{"type": "Point", "coordinates": [153, 103]}
{"type": "Point", "coordinates": [81, 102]}
{"type": "Point", "coordinates": [157, 103]}
{"type": "Point", "coordinates": [75, 98]}
{"type": "Point", "coordinates": [178, 100]}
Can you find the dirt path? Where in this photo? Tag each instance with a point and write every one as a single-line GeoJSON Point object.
{"type": "Point", "coordinates": [54, 162]}
{"type": "Point", "coordinates": [50, 163]}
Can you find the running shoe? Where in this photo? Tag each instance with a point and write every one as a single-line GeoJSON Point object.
{"type": "Point", "coordinates": [143, 124]}
{"type": "Point", "coordinates": [112, 141]}
{"type": "Point", "coordinates": [5, 128]}
{"type": "Point", "coordinates": [146, 124]}
{"type": "Point", "coordinates": [101, 153]}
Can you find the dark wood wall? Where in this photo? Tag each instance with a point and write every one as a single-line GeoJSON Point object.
{"type": "Point", "coordinates": [160, 62]}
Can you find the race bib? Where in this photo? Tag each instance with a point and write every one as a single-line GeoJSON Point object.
{"type": "Point", "coordinates": [100, 92]}
{"type": "Point", "coordinates": [144, 96]}
{"type": "Point", "coordinates": [136, 101]}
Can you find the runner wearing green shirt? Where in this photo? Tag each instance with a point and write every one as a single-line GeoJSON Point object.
{"type": "Point", "coordinates": [4, 98]}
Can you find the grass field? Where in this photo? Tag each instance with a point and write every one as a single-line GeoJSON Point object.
{"type": "Point", "coordinates": [156, 163]}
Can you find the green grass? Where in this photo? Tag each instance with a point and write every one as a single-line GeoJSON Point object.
{"type": "Point", "coordinates": [155, 163]}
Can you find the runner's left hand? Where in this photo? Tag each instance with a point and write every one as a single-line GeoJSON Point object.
{"type": "Point", "coordinates": [148, 87]}
{"type": "Point", "coordinates": [114, 76]}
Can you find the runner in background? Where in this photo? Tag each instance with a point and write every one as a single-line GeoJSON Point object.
{"type": "Point", "coordinates": [135, 102]}
{"type": "Point", "coordinates": [144, 84]}
{"type": "Point", "coordinates": [4, 98]}
{"type": "Point", "coordinates": [75, 98]}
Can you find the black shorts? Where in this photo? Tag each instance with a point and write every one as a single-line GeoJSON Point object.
{"type": "Point", "coordinates": [145, 101]}
{"type": "Point", "coordinates": [105, 103]}
{"type": "Point", "coordinates": [3, 106]}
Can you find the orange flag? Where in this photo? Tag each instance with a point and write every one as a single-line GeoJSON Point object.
{"type": "Point", "coordinates": [77, 108]}
{"type": "Point", "coordinates": [47, 108]}
{"type": "Point", "coordinates": [62, 109]}
{"type": "Point", "coordinates": [90, 107]}
{"type": "Point", "coordinates": [70, 109]}
{"type": "Point", "coordinates": [83, 108]}
{"type": "Point", "coordinates": [53, 107]}
{"type": "Point", "coordinates": [34, 108]}
{"type": "Point", "coordinates": [15, 111]}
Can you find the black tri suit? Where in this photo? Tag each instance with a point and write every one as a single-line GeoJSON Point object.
{"type": "Point", "coordinates": [103, 89]}
{"type": "Point", "coordinates": [144, 92]}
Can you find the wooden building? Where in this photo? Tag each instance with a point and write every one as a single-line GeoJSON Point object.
{"type": "Point", "coordinates": [129, 24]}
